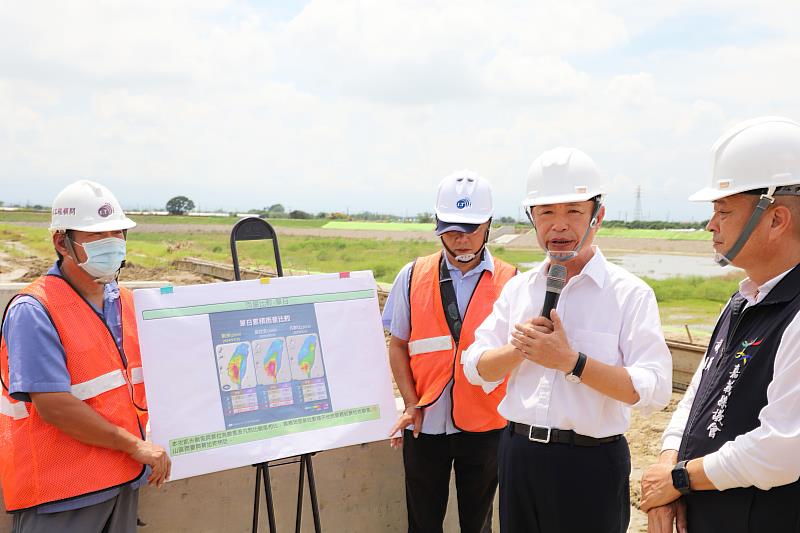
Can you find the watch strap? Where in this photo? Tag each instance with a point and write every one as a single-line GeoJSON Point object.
{"type": "Point", "coordinates": [579, 365]}
{"type": "Point", "coordinates": [680, 478]}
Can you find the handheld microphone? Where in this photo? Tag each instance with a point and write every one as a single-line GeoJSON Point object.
{"type": "Point", "coordinates": [556, 279]}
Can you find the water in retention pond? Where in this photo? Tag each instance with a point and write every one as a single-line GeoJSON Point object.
{"type": "Point", "coordinates": [661, 266]}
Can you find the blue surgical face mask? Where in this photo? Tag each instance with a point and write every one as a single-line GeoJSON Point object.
{"type": "Point", "coordinates": [103, 258]}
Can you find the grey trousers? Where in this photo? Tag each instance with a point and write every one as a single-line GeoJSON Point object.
{"type": "Point", "coordinates": [117, 515]}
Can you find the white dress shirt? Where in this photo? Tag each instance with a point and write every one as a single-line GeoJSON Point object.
{"type": "Point", "coordinates": [608, 314]}
{"type": "Point", "coordinates": [765, 457]}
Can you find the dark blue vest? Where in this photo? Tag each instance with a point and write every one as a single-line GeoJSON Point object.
{"type": "Point", "coordinates": [738, 368]}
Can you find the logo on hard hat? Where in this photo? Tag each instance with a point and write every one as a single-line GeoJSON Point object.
{"type": "Point", "coordinates": [105, 210]}
{"type": "Point", "coordinates": [463, 203]}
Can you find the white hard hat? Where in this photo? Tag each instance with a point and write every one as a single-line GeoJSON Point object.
{"type": "Point", "coordinates": [562, 175]}
{"type": "Point", "coordinates": [88, 206]}
{"type": "Point", "coordinates": [756, 154]}
{"type": "Point", "coordinates": [464, 197]}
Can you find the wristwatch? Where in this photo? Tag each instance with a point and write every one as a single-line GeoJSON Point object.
{"type": "Point", "coordinates": [680, 478]}
{"type": "Point", "coordinates": [575, 375]}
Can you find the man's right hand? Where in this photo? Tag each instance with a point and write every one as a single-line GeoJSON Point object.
{"type": "Point", "coordinates": [662, 519]}
{"type": "Point", "coordinates": [154, 455]}
{"type": "Point", "coordinates": [412, 415]}
{"type": "Point", "coordinates": [540, 324]}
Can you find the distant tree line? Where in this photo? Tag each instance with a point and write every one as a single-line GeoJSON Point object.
{"type": "Point", "coordinates": [180, 205]}
{"type": "Point", "coordinates": [654, 224]}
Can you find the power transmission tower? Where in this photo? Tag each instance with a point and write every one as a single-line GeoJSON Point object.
{"type": "Point", "coordinates": [637, 214]}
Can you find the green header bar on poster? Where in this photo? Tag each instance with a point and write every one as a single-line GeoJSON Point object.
{"type": "Point", "coordinates": [245, 305]}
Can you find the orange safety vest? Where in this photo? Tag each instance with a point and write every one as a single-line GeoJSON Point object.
{"type": "Point", "coordinates": [435, 360]}
{"type": "Point", "coordinates": [40, 464]}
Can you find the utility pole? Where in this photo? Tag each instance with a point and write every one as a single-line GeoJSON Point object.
{"type": "Point", "coordinates": [637, 215]}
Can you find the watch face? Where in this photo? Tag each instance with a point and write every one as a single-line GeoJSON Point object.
{"type": "Point", "coordinates": [572, 378]}
{"type": "Point", "coordinates": [680, 479]}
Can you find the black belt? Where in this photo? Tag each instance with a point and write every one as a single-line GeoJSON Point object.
{"type": "Point", "coordinates": [546, 435]}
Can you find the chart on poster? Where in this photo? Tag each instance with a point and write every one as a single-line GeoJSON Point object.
{"type": "Point", "coordinates": [244, 372]}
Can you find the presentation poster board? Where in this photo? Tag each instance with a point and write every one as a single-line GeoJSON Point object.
{"type": "Point", "coordinates": [244, 372]}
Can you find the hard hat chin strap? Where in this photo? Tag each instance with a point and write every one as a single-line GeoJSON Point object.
{"type": "Point", "coordinates": [68, 244]}
{"type": "Point", "coordinates": [764, 202]}
{"type": "Point", "coordinates": [103, 280]}
{"type": "Point", "coordinates": [564, 256]}
{"type": "Point", "coordinates": [466, 258]}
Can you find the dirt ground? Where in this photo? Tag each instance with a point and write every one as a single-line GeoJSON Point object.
{"type": "Point", "coordinates": [22, 269]}
{"type": "Point", "coordinates": [644, 440]}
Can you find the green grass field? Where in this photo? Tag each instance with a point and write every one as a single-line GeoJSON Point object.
{"type": "Point", "coordinates": [378, 226]}
{"type": "Point", "coordinates": [713, 289]}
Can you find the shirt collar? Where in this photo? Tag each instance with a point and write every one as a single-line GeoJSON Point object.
{"type": "Point", "coordinates": [54, 270]}
{"type": "Point", "coordinates": [595, 269]}
{"type": "Point", "coordinates": [486, 264]}
{"type": "Point", "coordinates": [754, 293]}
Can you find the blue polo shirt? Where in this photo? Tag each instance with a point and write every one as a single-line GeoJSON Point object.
{"type": "Point", "coordinates": [37, 363]}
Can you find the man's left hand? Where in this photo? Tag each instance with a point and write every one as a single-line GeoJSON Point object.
{"type": "Point", "coordinates": [657, 488]}
{"type": "Point", "coordinates": [667, 518]}
{"type": "Point", "coordinates": [551, 350]}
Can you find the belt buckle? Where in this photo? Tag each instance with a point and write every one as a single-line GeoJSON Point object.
{"type": "Point", "coordinates": [539, 430]}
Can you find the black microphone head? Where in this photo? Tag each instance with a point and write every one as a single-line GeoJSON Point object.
{"type": "Point", "coordinates": [556, 277]}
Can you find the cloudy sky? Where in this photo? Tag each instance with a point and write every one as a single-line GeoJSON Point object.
{"type": "Point", "coordinates": [357, 105]}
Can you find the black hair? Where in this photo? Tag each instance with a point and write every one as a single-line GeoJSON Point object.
{"type": "Point", "coordinates": [783, 190]}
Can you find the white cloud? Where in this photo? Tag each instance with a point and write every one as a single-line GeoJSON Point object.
{"type": "Point", "coordinates": [366, 104]}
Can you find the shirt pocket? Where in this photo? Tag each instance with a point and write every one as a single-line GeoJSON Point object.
{"type": "Point", "coordinates": [603, 347]}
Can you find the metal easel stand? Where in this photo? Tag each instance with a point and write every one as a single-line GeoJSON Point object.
{"type": "Point", "coordinates": [262, 471]}
{"type": "Point", "coordinates": [251, 229]}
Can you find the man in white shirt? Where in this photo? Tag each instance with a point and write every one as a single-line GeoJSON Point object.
{"type": "Point", "coordinates": [729, 455]}
{"type": "Point", "coordinates": [564, 464]}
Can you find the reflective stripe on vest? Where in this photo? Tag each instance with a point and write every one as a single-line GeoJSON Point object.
{"type": "Point", "coordinates": [137, 375]}
{"type": "Point", "coordinates": [16, 410]}
{"type": "Point", "coordinates": [82, 391]}
{"type": "Point", "coordinates": [99, 385]}
{"type": "Point", "coordinates": [431, 344]}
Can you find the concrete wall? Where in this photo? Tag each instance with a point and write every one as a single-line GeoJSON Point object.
{"type": "Point", "coordinates": [360, 489]}
{"type": "Point", "coordinates": [8, 290]}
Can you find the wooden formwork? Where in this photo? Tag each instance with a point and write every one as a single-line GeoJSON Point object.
{"type": "Point", "coordinates": [685, 359]}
